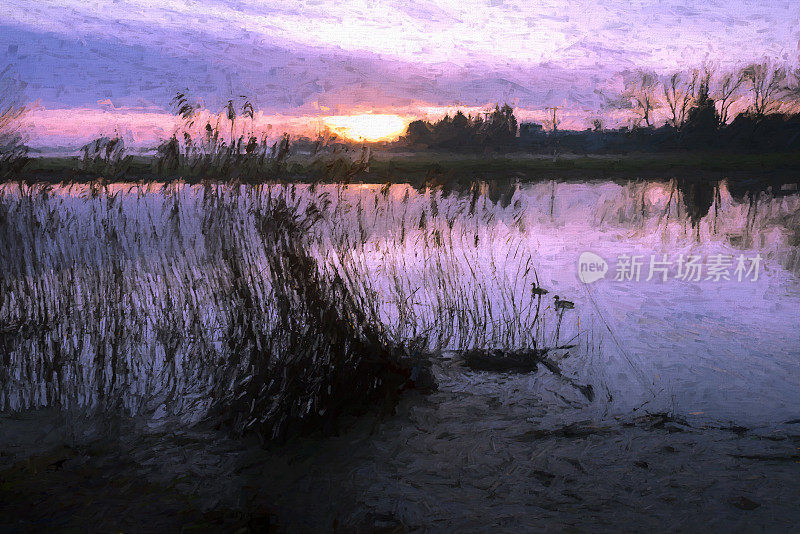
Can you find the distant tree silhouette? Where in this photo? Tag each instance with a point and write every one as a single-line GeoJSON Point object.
{"type": "Point", "coordinates": [679, 95]}
{"type": "Point", "coordinates": [727, 93]}
{"type": "Point", "coordinates": [766, 83]}
{"type": "Point", "coordinates": [455, 132]}
{"type": "Point", "coordinates": [419, 133]}
{"type": "Point", "coordinates": [460, 121]}
{"type": "Point", "coordinates": [640, 90]}
{"type": "Point", "coordinates": [501, 127]}
{"type": "Point", "coordinates": [702, 120]}
{"type": "Point", "coordinates": [792, 91]}
{"type": "Point", "coordinates": [461, 131]}
{"type": "Point", "coordinates": [699, 115]}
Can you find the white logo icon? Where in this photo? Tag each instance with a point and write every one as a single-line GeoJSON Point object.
{"type": "Point", "coordinates": [591, 267]}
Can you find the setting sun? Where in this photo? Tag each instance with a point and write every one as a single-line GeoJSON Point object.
{"type": "Point", "coordinates": [367, 127]}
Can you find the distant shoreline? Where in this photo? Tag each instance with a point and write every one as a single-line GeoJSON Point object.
{"type": "Point", "coordinates": [444, 167]}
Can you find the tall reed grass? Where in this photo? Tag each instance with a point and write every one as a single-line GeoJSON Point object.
{"type": "Point", "coordinates": [13, 152]}
{"type": "Point", "coordinates": [270, 308]}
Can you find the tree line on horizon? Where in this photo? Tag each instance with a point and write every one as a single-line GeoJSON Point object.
{"type": "Point", "coordinates": [770, 88]}
{"type": "Point", "coordinates": [497, 129]}
{"type": "Point", "coordinates": [696, 110]}
{"type": "Point", "coordinates": [754, 108]}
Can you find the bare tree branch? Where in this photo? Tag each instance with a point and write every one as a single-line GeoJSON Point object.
{"type": "Point", "coordinates": [679, 96]}
{"type": "Point", "coordinates": [766, 84]}
{"type": "Point", "coordinates": [640, 90]}
{"type": "Point", "coordinates": [728, 92]}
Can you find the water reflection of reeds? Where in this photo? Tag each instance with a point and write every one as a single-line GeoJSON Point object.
{"type": "Point", "coordinates": [273, 306]}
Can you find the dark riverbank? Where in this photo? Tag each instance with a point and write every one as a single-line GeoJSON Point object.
{"type": "Point", "coordinates": [451, 168]}
{"type": "Point", "coordinates": [453, 460]}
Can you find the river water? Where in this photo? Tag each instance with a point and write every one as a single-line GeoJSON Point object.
{"type": "Point", "coordinates": [717, 342]}
{"type": "Point", "coordinates": [696, 377]}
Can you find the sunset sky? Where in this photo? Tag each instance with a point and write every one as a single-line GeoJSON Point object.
{"type": "Point", "coordinates": [93, 66]}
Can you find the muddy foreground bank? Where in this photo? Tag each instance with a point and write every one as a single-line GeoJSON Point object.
{"type": "Point", "coordinates": [472, 456]}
